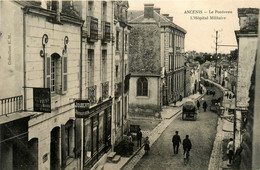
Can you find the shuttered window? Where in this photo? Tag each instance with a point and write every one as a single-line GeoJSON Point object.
{"type": "Point", "coordinates": [64, 73]}
{"type": "Point", "coordinates": [47, 71]}
{"type": "Point", "coordinates": [56, 69]}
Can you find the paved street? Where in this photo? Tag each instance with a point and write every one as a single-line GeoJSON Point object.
{"type": "Point", "coordinates": [202, 134]}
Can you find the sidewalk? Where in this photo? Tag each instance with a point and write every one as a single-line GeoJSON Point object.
{"type": "Point", "coordinates": [168, 115]}
{"type": "Point", "coordinates": [224, 132]}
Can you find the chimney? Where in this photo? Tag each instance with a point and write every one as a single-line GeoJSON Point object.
{"type": "Point", "coordinates": [165, 15]}
{"type": "Point", "coordinates": [170, 18]}
{"type": "Point", "coordinates": [157, 10]}
{"type": "Point", "coordinates": [148, 10]}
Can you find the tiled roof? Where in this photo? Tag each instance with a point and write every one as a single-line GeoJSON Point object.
{"type": "Point", "coordinates": [138, 17]}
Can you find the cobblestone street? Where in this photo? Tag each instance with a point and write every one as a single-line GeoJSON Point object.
{"type": "Point", "coordinates": [202, 134]}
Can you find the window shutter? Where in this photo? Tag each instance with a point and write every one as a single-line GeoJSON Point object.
{"type": "Point", "coordinates": [77, 137]}
{"type": "Point", "coordinates": [63, 146]}
{"type": "Point", "coordinates": [64, 73]}
{"type": "Point", "coordinates": [47, 71]}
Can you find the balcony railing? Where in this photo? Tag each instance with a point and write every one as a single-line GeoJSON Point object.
{"type": "Point", "coordinates": [11, 105]}
{"type": "Point", "coordinates": [118, 88]}
{"type": "Point", "coordinates": [92, 25]}
{"type": "Point", "coordinates": [92, 94]}
{"type": "Point", "coordinates": [106, 32]}
{"type": "Point", "coordinates": [105, 90]}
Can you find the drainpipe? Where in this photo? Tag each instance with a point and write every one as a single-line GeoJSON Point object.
{"type": "Point", "coordinates": [80, 65]}
{"type": "Point", "coordinates": [24, 60]}
{"type": "Point", "coordinates": [112, 77]}
{"type": "Point", "coordinates": [122, 90]}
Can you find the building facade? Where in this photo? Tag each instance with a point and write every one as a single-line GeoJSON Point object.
{"type": "Point", "coordinates": [72, 49]}
{"type": "Point", "coordinates": [156, 61]}
{"type": "Point", "coordinates": [247, 47]}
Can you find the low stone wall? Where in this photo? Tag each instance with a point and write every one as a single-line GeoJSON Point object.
{"type": "Point", "coordinates": [145, 111]}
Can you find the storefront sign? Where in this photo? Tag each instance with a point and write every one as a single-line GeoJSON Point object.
{"type": "Point", "coordinates": [42, 100]}
{"type": "Point", "coordinates": [82, 108]}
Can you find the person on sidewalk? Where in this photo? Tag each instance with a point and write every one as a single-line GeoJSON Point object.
{"type": "Point", "coordinates": [139, 138]}
{"type": "Point", "coordinates": [230, 151]}
{"type": "Point", "coordinates": [146, 145]}
{"type": "Point", "coordinates": [198, 105]}
{"type": "Point", "coordinates": [176, 140]}
{"type": "Point", "coordinates": [205, 105]}
{"type": "Point", "coordinates": [186, 145]}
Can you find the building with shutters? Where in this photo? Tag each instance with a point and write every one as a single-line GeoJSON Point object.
{"type": "Point", "coordinates": [156, 57]}
{"type": "Point", "coordinates": [77, 49]}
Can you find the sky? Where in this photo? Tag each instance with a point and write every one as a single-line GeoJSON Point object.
{"type": "Point", "coordinates": [201, 33]}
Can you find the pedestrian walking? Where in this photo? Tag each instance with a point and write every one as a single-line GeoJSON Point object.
{"type": "Point", "coordinates": [146, 145]}
{"type": "Point", "coordinates": [186, 145]}
{"type": "Point", "coordinates": [205, 105]}
{"type": "Point", "coordinates": [180, 97]}
{"type": "Point", "coordinates": [230, 151]}
{"type": "Point", "coordinates": [176, 140]}
{"type": "Point", "coordinates": [139, 138]}
{"type": "Point", "coordinates": [198, 105]}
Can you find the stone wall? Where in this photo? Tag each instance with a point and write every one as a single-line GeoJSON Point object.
{"type": "Point", "coordinates": [144, 49]}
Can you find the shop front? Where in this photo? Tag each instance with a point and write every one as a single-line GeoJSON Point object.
{"type": "Point", "coordinates": [97, 132]}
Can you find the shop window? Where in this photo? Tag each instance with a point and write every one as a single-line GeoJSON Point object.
{"type": "Point", "coordinates": [56, 73]}
{"type": "Point", "coordinates": [101, 130]}
{"type": "Point", "coordinates": [142, 87]}
{"type": "Point", "coordinates": [69, 142]}
{"type": "Point", "coordinates": [87, 144]}
{"type": "Point", "coordinates": [95, 134]}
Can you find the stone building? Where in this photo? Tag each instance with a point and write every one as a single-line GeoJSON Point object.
{"type": "Point", "coordinates": [156, 58]}
{"type": "Point", "coordinates": [74, 50]}
{"type": "Point", "coordinates": [247, 45]}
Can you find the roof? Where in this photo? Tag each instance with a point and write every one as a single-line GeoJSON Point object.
{"type": "Point", "coordinates": [137, 17]}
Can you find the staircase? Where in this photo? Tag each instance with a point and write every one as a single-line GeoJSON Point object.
{"type": "Point", "coordinates": [112, 157]}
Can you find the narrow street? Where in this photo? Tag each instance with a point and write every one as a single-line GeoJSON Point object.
{"type": "Point", "coordinates": [202, 134]}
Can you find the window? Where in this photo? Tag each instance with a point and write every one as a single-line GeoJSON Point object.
{"type": "Point", "coordinates": [126, 41]}
{"type": "Point", "coordinates": [116, 71]}
{"type": "Point", "coordinates": [90, 8]}
{"type": "Point", "coordinates": [104, 66]}
{"type": "Point", "coordinates": [104, 11]}
{"type": "Point", "coordinates": [91, 67]}
{"type": "Point", "coordinates": [101, 130]}
{"type": "Point", "coordinates": [117, 40]}
{"type": "Point", "coordinates": [69, 139]}
{"type": "Point", "coordinates": [67, 142]}
{"type": "Point", "coordinates": [118, 114]}
{"type": "Point", "coordinates": [142, 87]}
{"type": "Point", "coordinates": [52, 5]}
{"type": "Point", "coordinates": [56, 73]}
{"type": "Point", "coordinates": [87, 144]}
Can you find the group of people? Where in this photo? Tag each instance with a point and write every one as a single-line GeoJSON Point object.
{"type": "Point", "coordinates": [176, 141]}
{"type": "Point", "coordinates": [146, 141]}
{"type": "Point", "coordinates": [204, 105]}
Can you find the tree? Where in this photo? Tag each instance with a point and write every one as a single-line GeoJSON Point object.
{"type": "Point", "coordinates": [233, 55]}
{"type": "Point", "coordinates": [200, 59]}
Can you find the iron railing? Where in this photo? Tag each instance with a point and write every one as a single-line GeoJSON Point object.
{"type": "Point", "coordinates": [105, 89]}
{"type": "Point", "coordinates": [11, 105]}
{"type": "Point", "coordinates": [92, 92]}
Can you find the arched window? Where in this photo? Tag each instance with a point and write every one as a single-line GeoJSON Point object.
{"type": "Point", "coordinates": [142, 87]}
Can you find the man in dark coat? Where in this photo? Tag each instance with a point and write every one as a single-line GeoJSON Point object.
{"type": "Point", "coordinates": [176, 140]}
{"type": "Point", "coordinates": [139, 137]}
{"type": "Point", "coordinates": [205, 105]}
{"type": "Point", "coordinates": [198, 105]}
{"type": "Point", "coordinates": [186, 144]}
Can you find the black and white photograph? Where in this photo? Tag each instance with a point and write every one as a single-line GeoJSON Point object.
{"type": "Point", "coordinates": [129, 85]}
